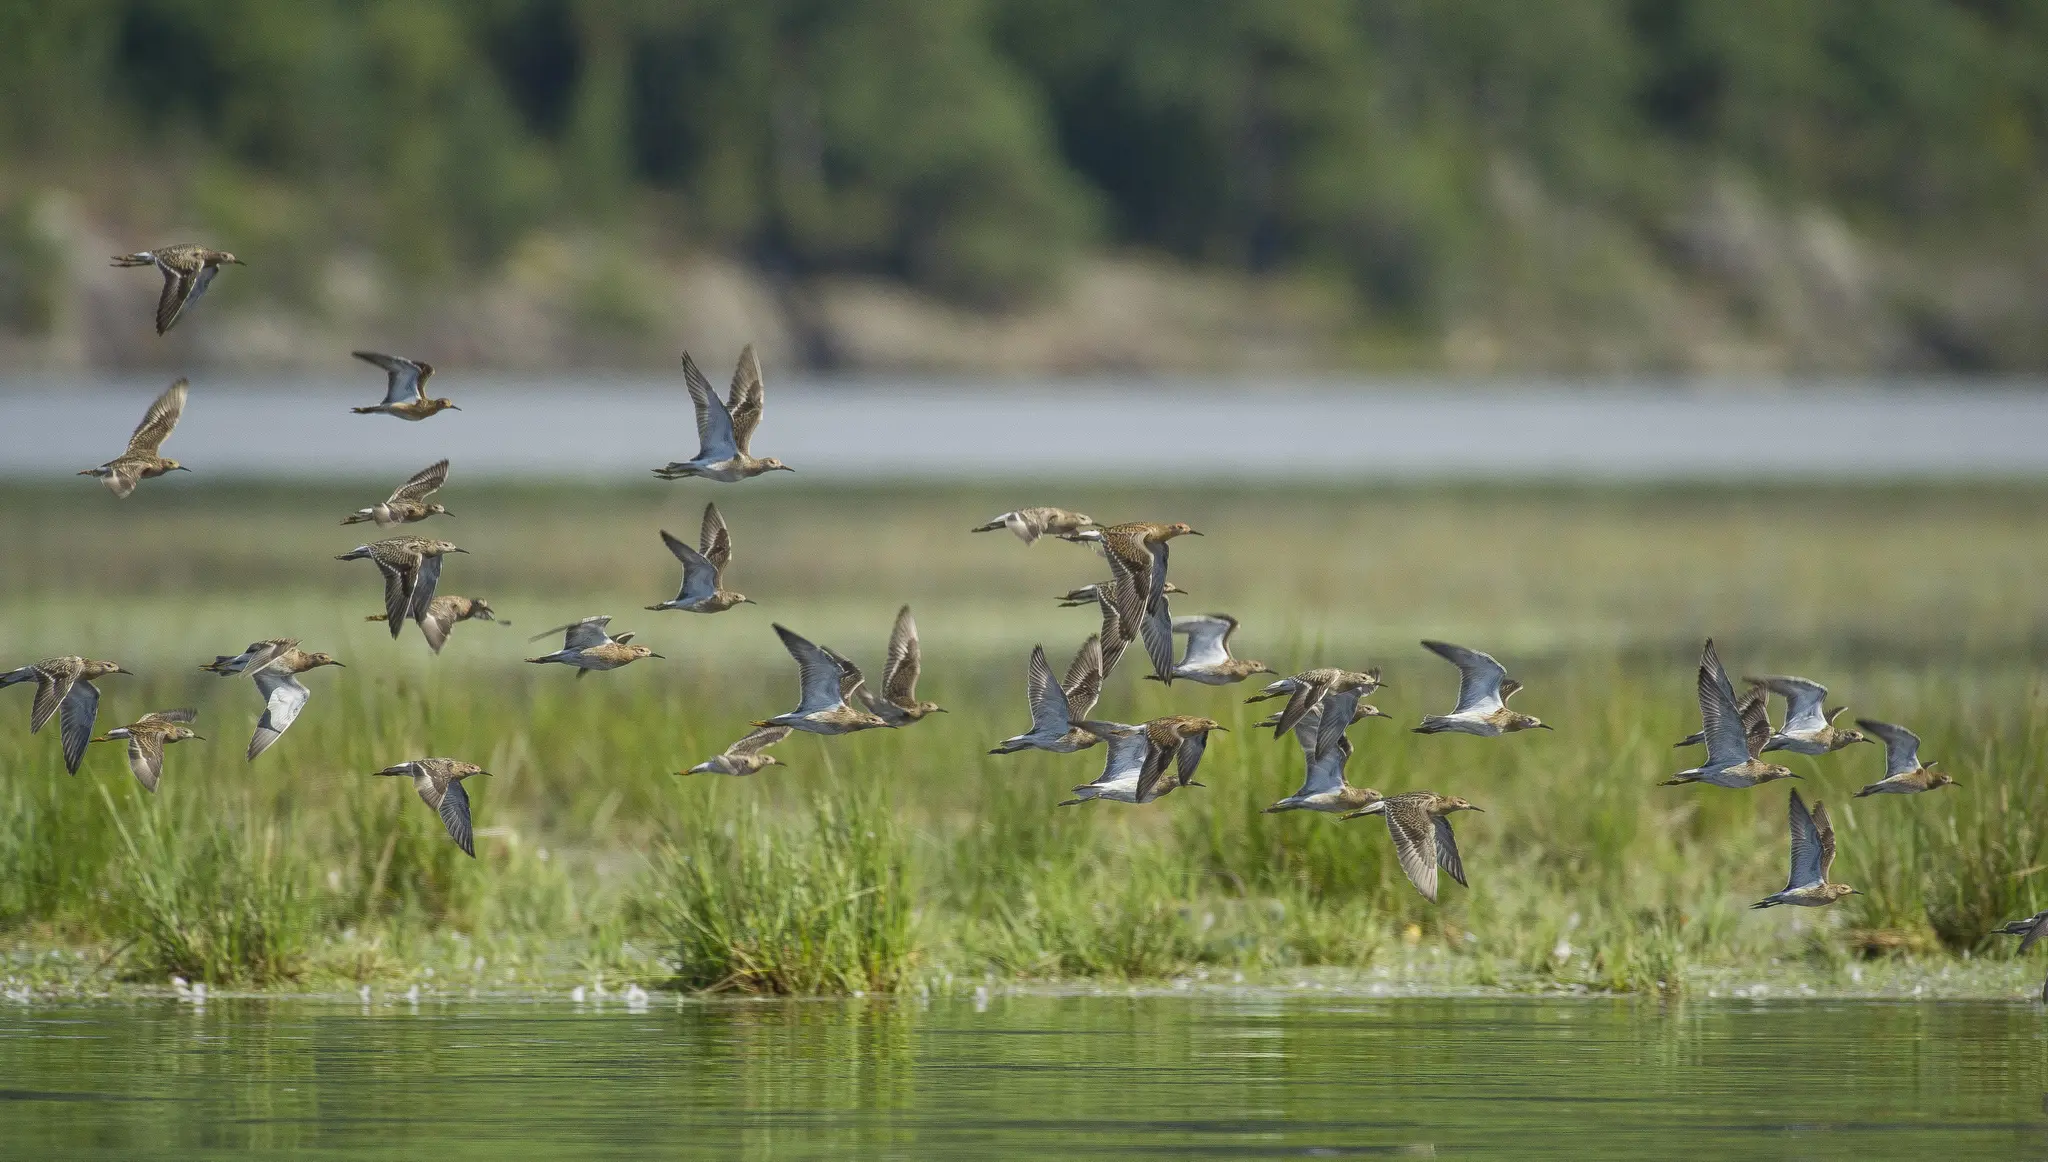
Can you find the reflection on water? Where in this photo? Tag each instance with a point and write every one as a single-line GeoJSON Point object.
{"type": "Point", "coordinates": [1029, 1076]}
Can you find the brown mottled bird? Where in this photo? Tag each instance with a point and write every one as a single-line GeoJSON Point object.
{"type": "Point", "coordinates": [587, 646]}
{"type": "Point", "coordinates": [405, 388]}
{"type": "Point", "coordinates": [141, 462]}
{"type": "Point", "coordinates": [188, 269]}
{"type": "Point", "coordinates": [1141, 547]}
{"type": "Point", "coordinates": [1813, 854]}
{"type": "Point", "coordinates": [897, 704]}
{"type": "Point", "coordinates": [704, 568]}
{"type": "Point", "coordinates": [748, 756]}
{"type": "Point", "coordinates": [1306, 690]}
{"type": "Point", "coordinates": [1419, 824]}
{"type": "Point", "coordinates": [412, 571]}
{"type": "Point", "coordinates": [1732, 745]}
{"type": "Point", "coordinates": [442, 614]}
{"type": "Point", "coordinates": [408, 503]}
{"type": "Point", "coordinates": [65, 682]}
{"type": "Point", "coordinates": [1091, 594]}
{"type": "Point", "coordinates": [1177, 737]}
{"type": "Point", "coordinates": [147, 737]}
{"type": "Point", "coordinates": [1483, 692]}
{"type": "Point", "coordinates": [1904, 773]}
{"type": "Point", "coordinates": [1031, 523]}
{"type": "Point", "coordinates": [830, 691]}
{"type": "Point", "coordinates": [439, 782]}
{"type": "Point", "coordinates": [725, 427]}
{"type": "Point", "coordinates": [1134, 767]}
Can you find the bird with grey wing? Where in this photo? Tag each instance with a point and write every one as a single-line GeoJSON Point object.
{"type": "Point", "coordinates": [405, 388]}
{"type": "Point", "coordinates": [1813, 855]}
{"type": "Point", "coordinates": [588, 646]}
{"type": "Point", "coordinates": [1483, 692]}
{"type": "Point", "coordinates": [829, 699]}
{"type": "Point", "coordinates": [1208, 659]}
{"type": "Point", "coordinates": [1904, 773]}
{"type": "Point", "coordinates": [725, 427]}
{"type": "Point", "coordinates": [704, 568]}
{"type": "Point", "coordinates": [748, 756]}
{"type": "Point", "coordinates": [1057, 708]}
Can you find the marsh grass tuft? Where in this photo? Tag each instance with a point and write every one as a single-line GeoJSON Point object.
{"type": "Point", "coordinates": [817, 905]}
{"type": "Point", "coordinates": [209, 899]}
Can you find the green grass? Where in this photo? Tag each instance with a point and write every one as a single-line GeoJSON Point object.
{"type": "Point", "coordinates": [908, 859]}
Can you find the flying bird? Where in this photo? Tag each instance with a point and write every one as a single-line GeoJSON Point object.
{"type": "Point", "coordinates": [1306, 690]}
{"type": "Point", "coordinates": [141, 462]}
{"type": "Point", "coordinates": [443, 614]}
{"type": "Point", "coordinates": [1031, 523]}
{"type": "Point", "coordinates": [188, 270]}
{"type": "Point", "coordinates": [897, 704]}
{"type": "Point", "coordinates": [439, 782]}
{"type": "Point", "coordinates": [1813, 854]}
{"type": "Point", "coordinates": [1904, 773]}
{"type": "Point", "coordinates": [587, 646]}
{"type": "Point", "coordinates": [405, 388]}
{"type": "Point", "coordinates": [408, 503]}
{"type": "Point", "coordinates": [1208, 659]}
{"type": "Point", "coordinates": [1057, 708]}
{"type": "Point", "coordinates": [748, 756]}
{"type": "Point", "coordinates": [147, 737]}
{"type": "Point", "coordinates": [725, 427]}
{"type": "Point", "coordinates": [277, 681]}
{"type": "Point", "coordinates": [65, 683]}
{"type": "Point", "coordinates": [1323, 786]}
{"type": "Point", "coordinates": [830, 699]}
{"type": "Point", "coordinates": [1809, 725]}
{"type": "Point", "coordinates": [1483, 692]}
{"type": "Point", "coordinates": [1419, 823]}
{"type": "Point", "coordinates": [704, 568]}
{"type": "Point", "coordinates": [412, 571]}
{"type": "Point", "coordinates": [1732, 745]}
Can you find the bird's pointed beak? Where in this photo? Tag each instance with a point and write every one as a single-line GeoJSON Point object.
{"type": "Point", "coordinates": [198, 738]}
{"type": "Point", "coordinates": [1481, 810]}
{"type": "Point", "coordinates": [663, 657]}
{"type": "Point", "coordinates": [181, 468]}
{"type": "Point", "coordinates": [462, 551]}
{"type": "Point", "coordinates": [340, 665]}
{"type": "Point", "coordinates": [124, 670]}
{"type": "Point", "coordinates": [1545, 726]}
{"type": "Point", "coordinates": [485, 774]}
{"type": "Point", "coordinates": [453, 408]}
{"type": "Point", "coordinates": [1224, 729]}
{"type": "Point", "coordinates": [785, 468]}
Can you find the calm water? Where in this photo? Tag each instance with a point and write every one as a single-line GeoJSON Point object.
{"type": "Point", "coordinates": [1252, 430]}
{"type": "Point", "coordinates": [1028, 1077]}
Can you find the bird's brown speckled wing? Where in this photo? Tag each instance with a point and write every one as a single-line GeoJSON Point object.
{"type": "Point", "coordinates": [1083, 684]}
{"type": "Point", "coordinates": [714, 540]}
{"type": "Point", "coordinates": [746, 398]}
{"type": "Point", "coordinates": [1447, 851]}
{"type": "Point", "coordinates": [158, 421]}
{"type": "Point", "coordinates": [51, 690]}
{"type": "Point", "coordinates": [454, 811]}
{"type": "Point", "coordinates": [146, 757]}
{"type": "Point", "coordinates": [1824, 832]}
{"type": "Point", "coordinates": [759, 740]}
{"type": "Point", "coordinates": [423, 484]}
{"type": "Point", "coordinates": [1414, 835]}
{"type": "Point", "coordinates": [904, 661]}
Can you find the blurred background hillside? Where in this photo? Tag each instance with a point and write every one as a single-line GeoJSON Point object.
{"type": "Point", "coordinates": [1738, 187]}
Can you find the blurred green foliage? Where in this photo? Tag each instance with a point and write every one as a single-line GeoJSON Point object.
{"type": "Point", "coordinates": [974, 145]}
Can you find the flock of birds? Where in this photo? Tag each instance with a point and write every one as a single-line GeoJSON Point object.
{"type": "Point", "coordinates": [1143, 761]}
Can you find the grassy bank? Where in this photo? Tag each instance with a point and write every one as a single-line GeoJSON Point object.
{"type": "Point", "coordinates": [912, 859]}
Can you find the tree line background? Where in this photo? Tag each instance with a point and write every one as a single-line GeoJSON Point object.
{"type": "Point", "coordinates": [1425, 161]}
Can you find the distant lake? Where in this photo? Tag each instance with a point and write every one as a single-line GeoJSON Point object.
{"type": "Point", "coordinates": [1276, 1073]}
{"type": "Point", "coordinates": [1200, 429]}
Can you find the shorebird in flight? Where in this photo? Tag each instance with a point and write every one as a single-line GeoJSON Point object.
{"type": "Point", "coordinates": [1904, 773]}
{"type": "Point", "coordinates": [147, 737]}
{"type": "Point", "coordinates": [704, 568]}
{"type": "Point", "coordinates": [1732, 745]}
{"type": "Point", "coordinates": [141, 462]}
{"type": "Point", "coordinates": [1031, 523]}
{"type": "Point", "coordinates": [1420, 826]}
{"type": "Point", "coordinates": [1813, 854]}
{"type": "Point", "coordinates": [188, 270]}
{"type": "Point", "coordinates": [725, 427]}
{"type": "Point", "coordinates": [408, 503]}
{"type": "Point", "coordinates": [439, 783]}
{"type": "Point", "coordinates": [830, 698]}
{"type": "Point", "coordinates": [67, 684]}
{"type": "Point", "coordinates": [1483, 692]}
{"type": "Point", "coordinates": [405, 388]}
